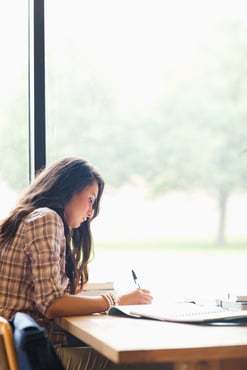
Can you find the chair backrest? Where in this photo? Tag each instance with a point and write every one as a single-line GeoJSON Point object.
{"type": "Point", "coordinates": [8, 355]}
{"type": "Point", "coordinates": [33, 347]}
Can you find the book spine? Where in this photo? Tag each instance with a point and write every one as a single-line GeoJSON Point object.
{"type": "Point", "coordinates": [233, 305]}
{"type": "Point", "coordinates": [238, 298]}
{"type": "Point", "coordinates": [96, 292]}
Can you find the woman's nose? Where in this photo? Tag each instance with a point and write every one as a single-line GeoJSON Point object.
{"type": "Point", "coordinates": [90, 212]}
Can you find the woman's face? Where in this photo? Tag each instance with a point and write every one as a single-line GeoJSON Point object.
{"type": "Point", "coordinates": [80, 206]}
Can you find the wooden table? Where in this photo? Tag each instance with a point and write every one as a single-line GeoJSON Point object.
{"type": "Point", "coordinates": [185, 346]}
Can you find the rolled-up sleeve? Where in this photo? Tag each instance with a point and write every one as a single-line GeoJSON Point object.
{"type": "Point", "coordinates": [46, 251]}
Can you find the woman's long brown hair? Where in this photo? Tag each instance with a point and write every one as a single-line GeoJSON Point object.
{"type": "Point", "coordinates": [53, 188]}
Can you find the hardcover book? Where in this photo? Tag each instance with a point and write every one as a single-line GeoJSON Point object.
{"type": "Point", "coordinates": [97, 288]}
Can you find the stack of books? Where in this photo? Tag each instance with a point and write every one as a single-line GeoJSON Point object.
{"type": "Point", "coordinates": [235, 302]}
{"type": "Point", "coordinates": [93, 288]}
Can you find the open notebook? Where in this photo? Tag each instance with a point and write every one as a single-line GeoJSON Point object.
{"type": "Point", "coordinates": [181, 312]}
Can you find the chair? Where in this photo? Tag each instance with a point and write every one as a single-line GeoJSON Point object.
{"type": "Point", "coordinates": [33, 347]}
{"type": "Point", "coordinates": [24, 345]}
{"type": "Point", "coordinates": [8, 355]}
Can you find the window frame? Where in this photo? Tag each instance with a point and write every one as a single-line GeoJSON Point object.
{"type": "Point", "coordinates": [36, 87]}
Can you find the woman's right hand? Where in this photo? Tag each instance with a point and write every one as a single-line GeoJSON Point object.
{"type": "Point", "coordinates": [138, 296]}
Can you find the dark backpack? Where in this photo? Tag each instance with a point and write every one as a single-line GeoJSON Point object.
{"type": "Point", "coordinates": [34, 349]}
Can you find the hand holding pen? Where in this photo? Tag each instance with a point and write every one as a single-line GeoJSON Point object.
{"type": "Point", "coordinates": [138, 296]}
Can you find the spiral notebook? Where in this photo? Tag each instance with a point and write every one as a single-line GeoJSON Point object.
{"type": "Point", "coordinates": [181, 312]}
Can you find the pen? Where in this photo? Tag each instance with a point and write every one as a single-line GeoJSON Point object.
{"type": "Point", "coordinates": [135, 278]}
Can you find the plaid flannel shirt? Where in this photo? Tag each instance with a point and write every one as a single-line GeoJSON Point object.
{"type": "Point", "coordinates": [32, 267]}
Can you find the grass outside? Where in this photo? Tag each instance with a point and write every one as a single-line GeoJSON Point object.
{"type": "Point", "coordinates": [175, 269]}
{"type": "Point", "coordinates": [238, 245]}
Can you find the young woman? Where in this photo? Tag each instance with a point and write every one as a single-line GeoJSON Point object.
{"type": "Point", "coordinates": [45, 247]}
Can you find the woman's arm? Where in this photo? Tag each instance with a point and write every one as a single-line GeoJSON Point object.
{"type": "Point", "coordinates": [73, 305]}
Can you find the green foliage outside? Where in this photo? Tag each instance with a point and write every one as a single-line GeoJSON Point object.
{"type": "Point", "coordinates": [193, 136]}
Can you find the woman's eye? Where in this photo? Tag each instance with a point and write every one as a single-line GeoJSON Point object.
{"type": "Point", "coordinates": [91, 201]}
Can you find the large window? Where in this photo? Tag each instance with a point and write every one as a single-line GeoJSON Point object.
{"type": "Point", "coordinates": [14, 174]}
{"type": "Point", "coordinates": [153, 93]}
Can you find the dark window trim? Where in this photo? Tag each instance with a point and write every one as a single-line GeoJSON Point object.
{"type": "Point", "coordinates": [37, 113]}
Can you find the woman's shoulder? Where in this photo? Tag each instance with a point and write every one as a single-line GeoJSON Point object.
{"type": "Point", "coordinates": [43, 214]}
